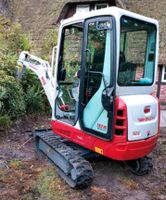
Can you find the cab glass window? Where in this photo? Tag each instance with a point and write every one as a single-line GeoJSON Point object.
{"type": "Point", "coordinates": [137, 52]}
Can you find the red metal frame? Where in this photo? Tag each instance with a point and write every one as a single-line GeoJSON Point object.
{"type": "Point", "coordinates": [118, 148]}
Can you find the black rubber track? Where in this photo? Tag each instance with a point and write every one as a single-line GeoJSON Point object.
{"type": "Point", "coordinates": [80, 173]}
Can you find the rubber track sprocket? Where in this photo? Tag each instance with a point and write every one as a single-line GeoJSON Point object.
{"type": "Point", "coordinates": [80, 174]}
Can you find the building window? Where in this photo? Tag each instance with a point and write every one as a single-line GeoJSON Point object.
{"type": "Point", "coordinates": [100, 6]}
{"type": "Point", "coordinates": [163, 78]}
{"type": "Point", "coordinates": [82, 8]}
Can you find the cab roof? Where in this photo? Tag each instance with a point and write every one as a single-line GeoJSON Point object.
{"type": "Point", "coordinates": [113, 11]}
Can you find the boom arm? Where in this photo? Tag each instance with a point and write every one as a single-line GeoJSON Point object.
{"type": "Point", "coordinates": [42, 69]}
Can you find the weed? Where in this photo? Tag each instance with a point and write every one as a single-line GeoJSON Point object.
{"type": "Point", "coordinates": [49, 185]}
{"type": "Point", "coordinates": [2, 174]}
{"type": "Point", "coordinates": [15, 164]}
{"type": "Point", "coordinates": [163, 148]}
{"type": "Point", "coordinates": [129, 183]}
{"type": "Point", "coordinates": [156, 193]}
{"type": "Point", "coordinates": [5, 123]}
{"type": "Point", "coordinates": [27, 197]}
{"type": "Point", "coordinates": [164, 172]}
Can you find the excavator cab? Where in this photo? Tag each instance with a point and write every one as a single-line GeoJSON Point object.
{"type": "Point", "coordinates": [101, 58]}
{"type": "Point", "coordinates": [100, 91]}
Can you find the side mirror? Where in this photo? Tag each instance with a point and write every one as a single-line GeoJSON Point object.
{"type": "Point", "coordinates": [107, 98]}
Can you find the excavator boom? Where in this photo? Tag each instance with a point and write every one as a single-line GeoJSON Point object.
{"type": "Point", "coordinates": [41, 68]}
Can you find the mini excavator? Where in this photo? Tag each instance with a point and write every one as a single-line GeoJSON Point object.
{"type": "Point", "coordinates": [99, 86]}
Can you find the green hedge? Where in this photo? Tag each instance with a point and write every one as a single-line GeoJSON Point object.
{"type": "Point", "coordinates": [11, 96]}
{"type": "Point", "coordinates": [16, 97]}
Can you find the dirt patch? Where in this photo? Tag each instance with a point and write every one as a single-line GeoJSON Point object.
{"type": "Point", "coordinates": [25, 174]}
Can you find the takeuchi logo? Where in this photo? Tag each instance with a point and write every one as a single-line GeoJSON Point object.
{"type": "Point", "coordinates": [145, 119]}
{"type": "Point", "coordinates": [101, 127]}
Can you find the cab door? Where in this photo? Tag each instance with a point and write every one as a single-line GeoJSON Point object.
{"type": "Point", "coordinates": [97, 89]}
{"type": "Point", "coordinates": [69, 62]}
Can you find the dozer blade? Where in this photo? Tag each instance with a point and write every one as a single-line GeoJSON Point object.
{"type": "Point", "coordinates": [72, 167]}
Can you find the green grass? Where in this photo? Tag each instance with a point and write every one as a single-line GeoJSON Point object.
{"type": "Point", "coordinates": [49, 185]}
{"type": "Point", "coordinates": [15, 164]}
{"type": "Point", "coordinates": [5, 123]}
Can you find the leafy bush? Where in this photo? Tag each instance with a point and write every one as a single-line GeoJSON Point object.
{"type": "Point", "coordinates": [16, 39]}
{"type": "Point", "coordinates": [35, 98]}
{"type": "Point", "coordinates": [11, 96]}
{"type": "Point", "coordinates": [12, 103]}
{"type": "Point", "coordinates": [8, 63]}
{"type": "Point", "coordinates": [27, 95]}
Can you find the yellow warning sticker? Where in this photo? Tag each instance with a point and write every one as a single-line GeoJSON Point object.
{"type": "Point", "coordinates": [99, 150]}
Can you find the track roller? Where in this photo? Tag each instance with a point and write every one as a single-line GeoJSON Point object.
{"type": "Point", "coordinates": [140, 166]}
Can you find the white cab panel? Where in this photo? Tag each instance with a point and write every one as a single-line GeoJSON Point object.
{"type": "Point", "coordinates": [142, 114]}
